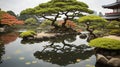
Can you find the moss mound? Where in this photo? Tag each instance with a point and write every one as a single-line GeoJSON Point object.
{"type": "Point", "coordinates": [27, 34]}
{"type": "Point", "coordinates": [105, 43]}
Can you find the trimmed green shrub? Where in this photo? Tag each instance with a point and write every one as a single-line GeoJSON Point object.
{"type": "Point", "coordinates": [115, 32]}
{"type": "Point", "coordinates": [27, 34]}
{"type": "Point", "coordinates": [30, 21]}
{"type": "Point", "coordinates": [113, 25]}
{"type": "Point", "coordinates": [106, 43]}
{"type": "Point", "coordinates": [46, 23]}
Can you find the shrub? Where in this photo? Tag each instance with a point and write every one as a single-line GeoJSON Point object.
{"type": "Point", "coordinates": [27, 34]}
{"type": "Point", "coordinates": [105, 43]}
{"type": "Point", "coordinates": [115, 32]}
{"type": "Point", "coordinates": [46, 23]}
{"type": "Point", "coordinates": [114, 25]}
{"type": "Point", "coordinates": [98, 32]}
{"type": "Point", "coordinates": [30, 21]}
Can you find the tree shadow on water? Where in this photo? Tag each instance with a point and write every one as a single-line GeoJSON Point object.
{"type": "Point", "coordinates": [2, 51]}
{"type": "Point", "coordinates": [63, 55]}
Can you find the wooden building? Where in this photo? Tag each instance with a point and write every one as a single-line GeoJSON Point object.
{"type": "Point", "coordinates": [115, 15]}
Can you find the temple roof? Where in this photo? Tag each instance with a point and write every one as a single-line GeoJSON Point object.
{"type": "Point", "coordinates": [113, 5]}
{"type": "Point", "coordinates": [112, 17]}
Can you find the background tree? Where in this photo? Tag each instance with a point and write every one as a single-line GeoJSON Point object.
{"type": "Point", "coordinates": [30, 21]}
{"type": "Point", "coordinates": [23, 17]}
{"type": "Point", "coordinates": [114, 28]}
{"type": "Point", "coordinates": [1, 13]}
{"type": "Point", "coordinates": [11, 13]}
{"type": "Point", "coordinates": [92, 22]}
{"type": "Point", "coordinates": [114, 25]}
{"type": "Point", "coordinates": [55, 8]}
{"type": "Point", "coordinates": [100, 14]}
{"type": "Point", "coordinates": [7, 20]}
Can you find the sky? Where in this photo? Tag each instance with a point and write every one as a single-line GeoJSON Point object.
{"type": "Point", "coordinates": [18, 5]}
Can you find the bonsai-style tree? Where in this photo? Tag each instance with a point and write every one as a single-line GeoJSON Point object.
{"type": "Point", "coordinates": [55, 8]}
{"type": "Point", "coordinates": [92, 22]}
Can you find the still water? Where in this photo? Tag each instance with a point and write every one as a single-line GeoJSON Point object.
{"type": "Point", "coordinates": [66, 51]}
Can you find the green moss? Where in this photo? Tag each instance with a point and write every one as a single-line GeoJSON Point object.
{"type": "Point", "coordinates": [105, 43]}
{"type": "Point", "coordinates": [27, 34]}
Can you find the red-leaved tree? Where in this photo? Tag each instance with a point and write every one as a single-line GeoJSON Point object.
{"type": "Point", "coordinates": [9, 19]}
{"type": "Point", "coordinates": [69, 23]}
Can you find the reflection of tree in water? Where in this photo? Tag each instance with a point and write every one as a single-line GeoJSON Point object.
{"type": "Point", "coordinates": [57, 51]}
{"type": "Point", "coordinates": [2, 51]}
{"type": "Point", "coordinates": [63, 54]}
{"type": "Point", "coordinates": [57, 39]}
{"type": "Point", "coordinates": [8, 37]}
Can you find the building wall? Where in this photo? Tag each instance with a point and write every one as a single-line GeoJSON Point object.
{"type": "Point", "coordinates": [118, 0]}
{"type": "Point", "coordinates": [116, 10]}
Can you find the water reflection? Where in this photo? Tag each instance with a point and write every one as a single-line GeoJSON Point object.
{"type": "Point", "coordinates": [6, 38]}
{"type": "Point", "coordinates": [2, 51]}
{"type": "Point", "coordinates": [58, 39]}
{"type": "Point", "coordinates": [64, 57]}
{"type": "Point", "coordinates": [59, 52]}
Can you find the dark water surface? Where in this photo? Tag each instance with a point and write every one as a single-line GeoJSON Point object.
{"type": "Point", "coordinates": [66, 51]}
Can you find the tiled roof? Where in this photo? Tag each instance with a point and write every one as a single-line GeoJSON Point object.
{"type": "Point", "coordinates": [112, 5]}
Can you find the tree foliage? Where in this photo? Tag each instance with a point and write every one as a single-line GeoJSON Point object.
{"type": "Point", "coordinates": [114, 28]}
{"type": "Point", "coordinates": [11, 13]}
{"type": "Point", "coordinates": [58, 7]}
{"type": "Point", "coordinates": [114, 25]}
{"type": "Point", "coordinates": [92, 22]}
{"type": "Point", "coordinates": [7, 19]}
{"type": "Point", "coordinates": [30, 21]}
{"type": "Point", "coordinates": [27, 34]}
{"type": "Point", "coordinates": [23, 17]}
{"type": "Point", "coordinates": [69, 24]}
{"type": "Point", "coordinates": [91, 18]}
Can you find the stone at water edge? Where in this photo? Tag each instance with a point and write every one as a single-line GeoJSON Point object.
{"type": "Point", "coordinates": [114, 62]}
{"type": "Point", "coordinates": [102, 59]}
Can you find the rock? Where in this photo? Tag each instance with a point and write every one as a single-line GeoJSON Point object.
{"type": "Point", "coordinates": [102, 59]}
{"type": "Point", "coordinates": [83, 36]}
{"type": "Point", "coordinates": [2, 29]}
{"type": "Point", "coordinates": [108, 57]}
{"type": "Point", "coordinates": [114, 62]}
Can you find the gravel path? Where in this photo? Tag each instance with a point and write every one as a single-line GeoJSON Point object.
{"type": "Point", "coordinates": [113, 37]}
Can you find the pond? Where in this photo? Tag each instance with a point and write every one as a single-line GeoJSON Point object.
{"type": "Point", "coordinates": [65, 51]}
